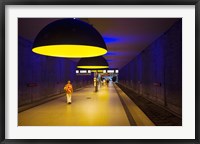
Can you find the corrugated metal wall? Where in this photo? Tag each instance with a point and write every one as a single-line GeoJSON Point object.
{"type": "Point", "coordinates": [156, 73]}
{"type": "Point", "coordinates": [40, 76]}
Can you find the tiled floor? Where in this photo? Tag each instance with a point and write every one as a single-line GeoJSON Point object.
{"type": "Point", "coordinates": [88, 108]}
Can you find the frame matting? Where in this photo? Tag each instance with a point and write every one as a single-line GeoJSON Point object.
{"type": "Point", "coordinates": [4, 3]}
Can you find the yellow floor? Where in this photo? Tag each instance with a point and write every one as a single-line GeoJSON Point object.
{"type": "Point", "coordinates": [88, 108]}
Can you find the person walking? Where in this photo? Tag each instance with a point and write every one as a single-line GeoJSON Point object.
{"type": "Point", "coordinates": [107, 81]}
{"type": "Point", "coordinates": [69, 90]}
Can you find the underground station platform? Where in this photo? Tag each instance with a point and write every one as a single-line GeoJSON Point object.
{"type": "Point", "coordinates": [110, 106]}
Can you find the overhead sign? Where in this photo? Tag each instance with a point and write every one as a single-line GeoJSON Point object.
{"type": "Point", "coordinates": [88, 72]}
{"type": "Point", "coordinates": [83, 72]}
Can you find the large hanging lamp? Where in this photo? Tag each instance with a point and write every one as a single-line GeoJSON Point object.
{"type": "Point", "coordinates": [70, 38]}
{"type": "Point", "coordinates": [95, 63]}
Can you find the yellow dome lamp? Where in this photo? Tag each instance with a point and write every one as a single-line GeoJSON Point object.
{"type": "Point", "coordinates": [93, 63]}
{"type": "Point", "coordinates": [69, 38]}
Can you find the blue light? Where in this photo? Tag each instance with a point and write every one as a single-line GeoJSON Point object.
{"type": "Point", "coordinates": [110, 53]}
{"type": "Point", "coordinates": [110, 39]}
{"type": "Point", "coordinates": [125, 39]}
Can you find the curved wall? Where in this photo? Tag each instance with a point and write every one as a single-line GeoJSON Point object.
{"type": "Point", "coordinates": [156, 73]}
{"type": "Point", "coordinates": [40, 77]}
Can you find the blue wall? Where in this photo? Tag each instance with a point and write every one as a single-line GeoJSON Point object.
{"type": "Point", "coordinates": [40, 76]}
{"type": "Point", "coordinates": [156, 73]}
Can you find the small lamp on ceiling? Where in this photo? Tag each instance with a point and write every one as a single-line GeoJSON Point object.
{"type": "Point", "coordinates": [94, 63]}
{"type": "Point", "coordinates": [70, 38]}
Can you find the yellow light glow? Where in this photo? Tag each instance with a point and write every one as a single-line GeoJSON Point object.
{"type": "Point", "coordinates": [70, 51]}
{"type": "Point", "coordinates": [92, 67]}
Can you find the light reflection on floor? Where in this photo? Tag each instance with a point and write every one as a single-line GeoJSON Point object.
{"type": "Point", "coordinates": [87, 109]}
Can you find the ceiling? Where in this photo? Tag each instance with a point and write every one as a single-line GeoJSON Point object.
{"type": "Point", "coordinates": [125, 37]}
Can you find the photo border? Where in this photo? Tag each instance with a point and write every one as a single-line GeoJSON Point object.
{"type": "Point", "coordinates": [3, 4]}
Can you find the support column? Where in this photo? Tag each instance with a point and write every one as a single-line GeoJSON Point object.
{"type": "Point", "coordinates": [95, 82]}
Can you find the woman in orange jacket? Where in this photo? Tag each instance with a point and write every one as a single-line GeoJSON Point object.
{"type": "Point", "coordinates": [69, 90]}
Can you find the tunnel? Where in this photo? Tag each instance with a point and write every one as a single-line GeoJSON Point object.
{"type": "Point", "coordinates": [141, 87]}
